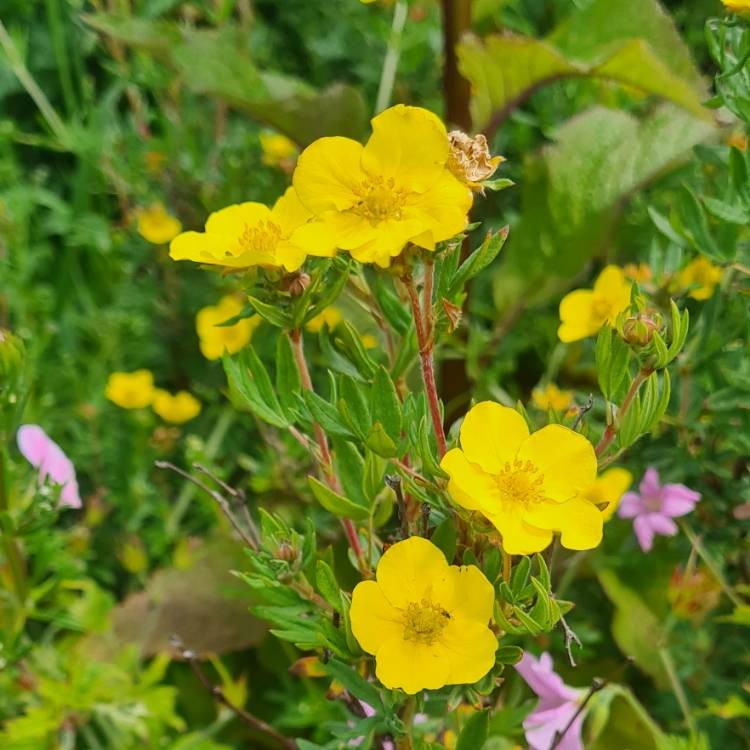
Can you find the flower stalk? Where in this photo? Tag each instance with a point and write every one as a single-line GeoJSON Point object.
{"type": "Point", "coordinates": [423, 323]}
{"type": "Point", "coordinates": [295, 337]}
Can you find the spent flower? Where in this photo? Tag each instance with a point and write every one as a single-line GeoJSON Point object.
{"type": "Point", "coordinates": [654, 507]}
{"type": "Point", "coordinates": [373, 200]}
{"type": "Point", "coordinates": [426, 622]}
{"type": "Point", "coordinates": [527, 485]}
{"type": "Point", "coordinates": [470, 159]}
{"type": "Point", "coordinates": [584, 311]}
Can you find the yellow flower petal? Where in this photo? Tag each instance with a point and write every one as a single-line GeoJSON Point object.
{"type": "Point", "coordinates": [407, 569]}
{"type": "Point", "coordinates": [578, 521]}
{"type": "Point", "coordinates": [609, 488]}
{"type": "Point", "coordinates": [409, 145]}
{"type": "Point", "coordinates": [519, 537]}
{"type": "Point", "coordinates": [465, 592]}
{"type": "Point", "coordinates": [327, 174]}
{"type": "Point", "coordinates": [412, 666]}
{"type": "Point", "coordinates": [613, 284]}
{"type": "Point", "coordinates": [576, 320]}
{"type": "Point", "coordinates": [211, 249]}
{"type": "Point", "coordinates": [374, 619]}
{"type": "Point", "coordinates": [288, 212]}
{"type": "Point", "coordinates": [389, 237]}
{"type": "Point", "coordinates": [565, 458]}
{"type": "Point", "coordinates": [491, 435]}
{"type": "Point", "coordinates": [471, 649]}
{"type": "Point", "coordinates": [469, 485]}
{"type": "Point", "coordinates": [233, 220]}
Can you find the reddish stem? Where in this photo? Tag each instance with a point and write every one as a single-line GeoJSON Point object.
{"type": "Point", "coordinates": [295, 337]}
{"type": "Point", "coordinates": [611, 432]}
{"type": "Point", "coordinates": [425, 341]}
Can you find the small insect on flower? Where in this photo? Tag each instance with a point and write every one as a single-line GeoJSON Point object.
{"type": "Point", "coordinates": [131, 390]}
{"type": "Point", "coordinates": [251, 234]}
{"type": "Point", "coordinates": [559, 710]}
{"type": "Point", "coordinates": [425, 621]}
{"type": "Point", "coordinates": [551, 397]}
{"type": "Point", "coordinates": [654, 506]}
{"type": "Point", "coordinates": [700, 277]}
{"type": "Point", "coordinates": [157, 225]}
{"type": "Point", "coordinates": [176, 408]}
{"type": "Point", "coordinates": [215, 339]}
{"type": "Point", "coordinates": [278, 150]}
{"type": "Point", "coordinates": [527, 485]}
{"type": "Point", "coordinates": [607, 490]}
{"type": "Point", "coordinates": [372, 200]}
{"type": "Point", "coordinates": [584, 311]}
{"type": "Point", "coordinates": [45, 455]}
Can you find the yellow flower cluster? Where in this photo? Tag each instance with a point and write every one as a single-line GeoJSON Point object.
{"type": "Point", "coordinates": [409, 184]}
{"type": "Point", "coordinates": [699, 278]}
{"type": "Point", "coordinates": [551, 397]}
{"type": "Point", "coordinates": [157, 225]}
{"type": "Point", "coordinates": [136, 390]}
{"type": "Point", "coordinates": [425, 621]}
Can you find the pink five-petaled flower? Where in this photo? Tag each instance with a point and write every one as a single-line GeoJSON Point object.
{"type": "Point", "coordinates": [557, 709]}
{"type": "Point", "coordinates": [45, 454]}
{"type": "Point", "coordinates": [655, 507]}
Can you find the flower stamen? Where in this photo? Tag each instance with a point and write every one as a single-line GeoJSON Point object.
{"type": "Point", "coordinates": [520, 482]}
{"type": "Point", "coordinates": [261, 238]}
{"type": "Point", "coordinates": [424, 622]}
{"type": "Point", "coordinates": [379, 199]}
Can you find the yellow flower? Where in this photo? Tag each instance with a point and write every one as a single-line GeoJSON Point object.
{"type": "Point", "coordinates": [609, 488]}
{"type": "Point", "coordinates": [214, 338]}
{"type": "Point", "coordinates": [737, 6]}
{"type": "Point", "coordinates": [251, 234]}
{"type": "Point", "coordinates": [701, 277]}
{"type": "Point", "coordinates": [641, 273]}
{"type": "Point", "coordinates": [178, 408]}
{"type": "Point", "coordinates": [330, 316]}
{"type": "Point", "coordinates": [584, 311]}
{"type": "Point", "coordinates": [156, 225]}
{"type": "Point", "coordinates": [372, 200]}
{"type": "Point", "coordinates": [551, 397]}
{"type": "Point", "coordinates": [424, 620]}
{"type": "Point", "coordinates": [528, 486]}
{"type": "Point", "coordinates": [368, 341]}
{"type": "Point", "coordinates": [277, 149]}
{"type": "Point", "coordinates": [130, 390]}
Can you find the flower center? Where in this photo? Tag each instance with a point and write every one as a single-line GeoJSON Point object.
{"type": "Point", "coordinates": [520, 482]}
{"type": "Point", "coordinates": [601, 308]}
{"type": "Point", "coordinates": [260, 238]}
{"type": "Point", "coordinates": [424, 622]}
{"type": "Point", "coordinates": [379, 199]}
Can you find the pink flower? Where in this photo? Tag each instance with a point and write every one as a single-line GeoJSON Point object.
{"type": "Point", "coordinates": [558, 704]}
{"type": "Point", "coordinates": [45, 454]}
{"type": "Point", "coordinates": [655, 507]}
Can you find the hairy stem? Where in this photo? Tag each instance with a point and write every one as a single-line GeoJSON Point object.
{"type": "Point", "coordinates": [295, 337]}
{"type": "Point", "coordinates": [425, 341]}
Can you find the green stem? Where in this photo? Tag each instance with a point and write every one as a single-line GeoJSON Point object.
{"type": "Point", "coordinates": [611, 432]}
{"type": "Point", "coordinates": [679, 691]}
{"type": "Point", "coordinates": [405, 742]}
{"type": "Point", "coordinates": [10, 546]}
{"type": "Point", "coordinates": [57, 32]}
{"type": "Point", "coordinates": [392, 55]}
{"type": "Point", "coordinates": [215, 439]}
{"type": "Point", "coordinates": [56, 125]}
{"type": "Point", "coordinates": [711, 564]}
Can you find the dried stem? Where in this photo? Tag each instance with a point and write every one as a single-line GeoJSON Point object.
{"type": "Point", "coordinates": [423, 326]}
{"type": "Point", "coordinates": [596, 686]}
{"type": "Point", "coordinates": [252, 721]}
{"type": "Point", "coordinates": [295, 337]}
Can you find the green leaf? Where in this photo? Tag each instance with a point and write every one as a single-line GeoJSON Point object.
{"type": "Point", "coordinates": [337, 504]}
{"type": "Point", "coordinates": [350, 468]}
{"type": "Point", "coordinates": [509, 655]}
{"type": "Point", "coordinates": [351, 342]}
{"type": "Point", "coordinates": [445, 538]}
{"type": "Point", "coordinates": [327, 416]}
{"type": "Point", "coordinates": [327, 585]}
{"type": "Point", "coordinates": [379, 442]}
{"type": "Point", "coordinates": [249, 379]}
{"type": "Point", "coordinates": [632, 42]}
{"type": "Point", "coordinates": [288, 382]}
{"type": "Point", "coordinates": [474, 733]}
{"type": "Point", "coordinates": [636, 629]}
{"type": "Point", "coordinates": [329, 296]}
{"type": "Point", "coordinates": [479, 259]}
{"type": "Point", "coordinates": [385, 405]}
{"type": "Point", "coordinates": [270, 313]}
{"type": "Point", "coordinates": [354, 683]}
{"type": "Point", "coordinates": [574, 190]}
{"type": "Point", "coordinates": [353, 406]}
{"type": "Point", "coordinates": [372, 481]}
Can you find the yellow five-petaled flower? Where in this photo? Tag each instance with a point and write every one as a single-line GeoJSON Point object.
{"type": "Point", "coordinates": [527, 485]}
{"type": "Point", "coordinates": [584, 311]}
{"type": "Point", "coordinates": [372, 200]}
{"type": "Point", "coordinates": [425, 621]}
{"type": "Point", "coordinates": [251, 234]}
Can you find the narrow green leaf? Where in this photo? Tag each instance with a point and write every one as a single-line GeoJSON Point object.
{"type": "Point", "coordinates": [474, 733]}
{"type": "Point", "coordinates": [385, 405]}
{"type": "Point", "coordinates": [353, 405]}
{"type": "Point", "coordinates": [288, 383]}
{"type": "Point", "coordinates": [445, 538]}
{"type": "Point", "coordinates": [327, 585]}
{"type": "Point", "coordinates": [378, 441]}
{"type": "Point", "coordinates": [270, 313]}
{"type": "Point", "coordinates": [327, 416]}
{"type": "Point", "coordinates": [337, 504]}
{"type": "Point", "coordinates": [354, 683]}
{"type": "Point", "coordinates": [254, 387]}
